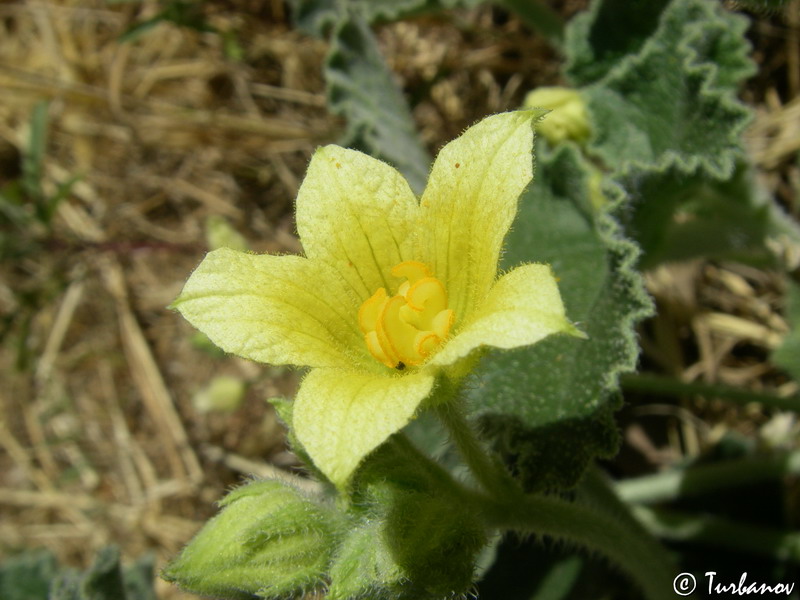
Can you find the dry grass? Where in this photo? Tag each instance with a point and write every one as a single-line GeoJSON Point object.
{"type": "Point", "coordinates": [101, 440]}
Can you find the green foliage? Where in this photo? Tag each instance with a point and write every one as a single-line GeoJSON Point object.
{"type": "Point", "coordinates": [675, 217]}
{"type": "Point", "coordinates": [36, 576]}
{"type": "Point", "coordinates": [661, 81]}
{"type": "Point", "coordinates": [787, 356]}
{"type": "Point", "coordinates": [361, 88]}
{"type": "Point", "coordinates": [269, 541]}
{"type": "Point", "coordinates": [27, 576]}
{"type": "Point", "coordinates": [548, 408]}
{"type": "Point", "coordinates": [672, 101]}
{"type": "Point", "coordinates": [27, 210]}
{"type": "Point", "coordinates": [24, 204]}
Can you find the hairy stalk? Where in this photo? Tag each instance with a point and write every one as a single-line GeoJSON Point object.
{"type": "Point", "coordinates": [441, 474]}
{"type": "Point", "coordinates": [642, 558]}
{"type": "Point", "coordinates": [485, 466]}
{"type": "Point", "coordinates": [603, 524]}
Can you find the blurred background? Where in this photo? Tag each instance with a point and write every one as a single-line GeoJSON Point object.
{"type": "Point", "coordinates": [136, 135]}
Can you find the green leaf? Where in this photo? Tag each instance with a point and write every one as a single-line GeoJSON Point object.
{"type": "Point", "coordinates": [600, 38]}
{"type": "Point", "coordinates": [675, 217]}
{"type": "Point", "coordinates": [36, 576]}
{"type": "Point", "coordinates": [361, 89]}
{"type": "Point", "coordinates": [549, 407]}
{"type": "Point", "coordinates": [27, 576]}
{"type": "Point", "coordinates": [33, 159]}
{"type": "Point", "coordinates": [138, 579]}
{"type": "Point", "coordinates": [269, 541]}
{"type": "Point", "coordinates": [664, 93]}
{"type": "Point", "coordinates": [787, 356]}
{"type": "Point", "coordinates": [104, 579]}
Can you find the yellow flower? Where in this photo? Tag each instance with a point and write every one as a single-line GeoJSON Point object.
{"type": "Point", "coordinates": [392, 293]}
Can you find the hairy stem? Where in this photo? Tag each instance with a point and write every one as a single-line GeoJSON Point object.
{"type": "Point", "coordinates": [641, 557]}
{"type": "Point", "coordinates": [602, 523]}
{"type": "Point", "coordinates": [485, 466]}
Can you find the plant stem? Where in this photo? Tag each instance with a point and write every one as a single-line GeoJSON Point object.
{"type": "Point", "coordinates": [667, 386]}
{"type": "Point", "coordinates": [720, 532]}
{"type": "Point", "coordinates": [606, 527]}
{"type": "Point", "coordinates": [436, 470]}
{"type": "Point", "coordinates": [642, 558]}
{"type": "Point", "coordinates": [485, 466]}
{"type": "Point", "coordinates": [696, 480]}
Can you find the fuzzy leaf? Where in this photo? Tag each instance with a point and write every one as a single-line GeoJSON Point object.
{"type": "Point", "coordinates": [361, 89]}
{"type": "Point", "coordinates": [664, 93]}
{"type": "Point", "coordinates": [549, 407]}
{"type": "Point", "coordinates": [27, 576]}
{"type": "Point", "coordinates": [614, 34]}
{"type": "Point", "coordinates": [269, 541]}
{"type": "Point", "coordinates": [600, 38]}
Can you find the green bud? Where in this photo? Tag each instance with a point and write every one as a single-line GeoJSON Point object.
{"type": "Point", "coordinates": [221, 234]}
{"type": "Point", "coordinates": [568, 119]}
{"type": "Point", "coordinates": [222, 394]}
{"type": "Point", "coordinates": [269, 540]}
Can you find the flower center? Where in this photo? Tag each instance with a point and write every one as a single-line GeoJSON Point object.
{"type": "Point", "coordinates": [404, 329]}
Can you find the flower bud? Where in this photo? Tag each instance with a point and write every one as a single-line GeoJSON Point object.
{"type": "Point", "coordinates": [269, 540]}
{"type": "Point", "coordinates": [568, 119]}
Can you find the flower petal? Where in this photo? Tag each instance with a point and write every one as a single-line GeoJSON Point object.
{"type": "Point", "coordinates": [357, 214]}
{"type": "Point", "coordinates": [471, 200]}
{"type": "Point", "coordinates": [523, 307]}
{"type": "Point", "coordinates": [273, 309]}
{"type": "Point", "coordinates": [340, 416]}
